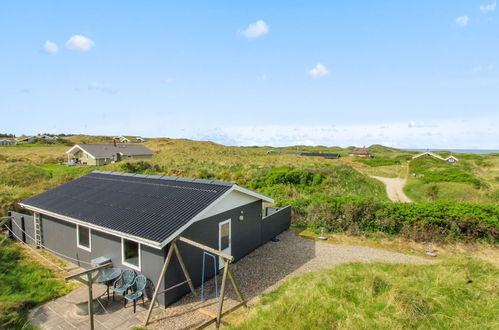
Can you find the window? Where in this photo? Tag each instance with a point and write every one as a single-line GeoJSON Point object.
{"type": "Point", "coordinates": [83, 240]}
{"type": "Point", "coordinates": [130, 254]}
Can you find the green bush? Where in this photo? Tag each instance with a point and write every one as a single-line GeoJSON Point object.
{"type": "Point", "coordinates": [437, 221]}
{"type": "Point", "coordinates": [436, 170]}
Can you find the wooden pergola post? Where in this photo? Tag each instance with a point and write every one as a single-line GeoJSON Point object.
{"type": "Point", "coordinates": [89, 282]}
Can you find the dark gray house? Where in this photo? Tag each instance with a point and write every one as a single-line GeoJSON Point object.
{"type": "Point", "coordinates": [131, 219]}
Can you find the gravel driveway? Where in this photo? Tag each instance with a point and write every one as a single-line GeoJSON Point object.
{"type": "Point", "coordinates": [267, 267]}
{"type": "Point", "coordinates": [394, 188]}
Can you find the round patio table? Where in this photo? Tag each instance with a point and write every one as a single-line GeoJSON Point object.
{"type": "Point", "coordinates": [107, 276]}
{"type": "Point", "coordinates": [79, 298]}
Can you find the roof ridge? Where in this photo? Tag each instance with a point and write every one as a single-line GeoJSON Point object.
{"type": "Point", "coordinates": [167, 178]}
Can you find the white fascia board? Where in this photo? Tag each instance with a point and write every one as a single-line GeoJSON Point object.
{"type": "Point", "coordinates": [252, 193]}
{"type": "Point", "coordinates": [77, 146]}
{"type": "Point", "coordinates": [105, 230]}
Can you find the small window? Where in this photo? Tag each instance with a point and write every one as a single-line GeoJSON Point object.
{"type": "Point", "coordinates": [131, 254]}
{"type": "Point", "coordinates": [83, 237]}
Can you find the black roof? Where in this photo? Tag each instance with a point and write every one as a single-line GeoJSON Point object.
{"type": "Point", "coordinates": [146, 206]}
{"type": "Point", "coordinates": [320, 154]}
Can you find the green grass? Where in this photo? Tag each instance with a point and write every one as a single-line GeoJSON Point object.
{"type": "Point", "coordinates": [23, 285]}
{"type": "Point", "coordinates": [459, 293]}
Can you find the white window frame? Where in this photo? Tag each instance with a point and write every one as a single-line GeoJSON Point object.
{"type": "Point", "coordinates": [123, 262]}
{"type": "Point", "coordinates": [220, 224]}
{"type": "Point", "coordinates": [89, 248]}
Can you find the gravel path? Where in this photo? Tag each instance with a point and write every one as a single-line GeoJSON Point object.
{"type": "Point", "coordinates": [267, 267]}
{"type": "Point", "coordinates": [394, 188]}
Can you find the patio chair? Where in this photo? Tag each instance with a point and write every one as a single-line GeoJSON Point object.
{"type": "Point", "coordinates": [140, 285]}
{"type": "Point", "coordinates": [124, 283]}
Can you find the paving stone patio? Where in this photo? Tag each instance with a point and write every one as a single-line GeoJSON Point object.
{"type": "Point", "coordinates": [59, 314]}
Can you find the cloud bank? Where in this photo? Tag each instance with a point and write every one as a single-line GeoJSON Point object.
{"type": "Point", "coordinates": [458, 133]}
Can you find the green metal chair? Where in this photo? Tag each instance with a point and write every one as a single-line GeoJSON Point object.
{"type": "Point", "coordinates": [140, 286]}
{"type": "Point", "coordinates": [124, 283]}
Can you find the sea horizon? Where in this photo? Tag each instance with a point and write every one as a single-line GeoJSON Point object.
{"type": "Point", "coordinates": [459, 151]}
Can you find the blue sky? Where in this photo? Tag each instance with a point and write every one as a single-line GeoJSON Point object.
{"type": "Point", "coordinates": [406, 74]}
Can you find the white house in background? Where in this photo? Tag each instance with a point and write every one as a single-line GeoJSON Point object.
{"type": "Point", "coordinates": [122, 139]}
{"type": "Point", "coordinates": [7, 142]}
{"type": "Point", "coordinates": [129, 139]}
{"type": "Point", "coordinates": [450, 159]}
{"type": "Point", "coordinates": [429, 154]}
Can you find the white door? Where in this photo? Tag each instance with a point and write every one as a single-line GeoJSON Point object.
{"type": "Point", "coordinates": [224, 240]}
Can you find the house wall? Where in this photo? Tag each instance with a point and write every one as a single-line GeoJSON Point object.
{"type": "Point", "coordinates": [22, 222]}
{"type": "Point", "coordinates": [246, 235]}
{"type": "Point", "coordinates": [245, 238]}
{"type": "Point", "coordinates": [60, 236]}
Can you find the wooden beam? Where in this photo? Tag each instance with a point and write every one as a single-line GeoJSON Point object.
{"type": "Point", "coordinates": [184, 269]}
{"type": "Point", "coordinates": [206, 248]}
{"type": "Point", "coordinates": [173, 287]}
{"type": "Point", "coordinates": [236, 288]}
{"type": "Point", "coordinates": [213, 320]}
{"type": "Point", "coordinates": [91, 270]}
{"type": "Point", "coordinates": [222, 293]}
{"type": "Point", "coordinates": [90, 301]}
{"type": "Point", "coordinates": [160, 281]}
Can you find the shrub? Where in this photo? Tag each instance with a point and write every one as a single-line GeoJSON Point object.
{"type": "Point", "coordinates": [437, 221]}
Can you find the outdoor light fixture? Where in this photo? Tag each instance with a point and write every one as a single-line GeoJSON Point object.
{"type": "Point", "coordinates": [241, 217]}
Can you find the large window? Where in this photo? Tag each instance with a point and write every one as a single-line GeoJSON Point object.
{"type": "Point", "coordinates": [83, 237]}
{"type": "Point", "coordinates": [131, 254]}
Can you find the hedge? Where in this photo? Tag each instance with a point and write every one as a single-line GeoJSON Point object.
{"type": "Point", "coordinates": [433, 221]}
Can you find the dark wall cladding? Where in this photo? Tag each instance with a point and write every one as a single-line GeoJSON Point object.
{"type": "Point", "coordinates": [246, 235]}
{"type": "Point", "coordinates": [22, 222]}
{"type": "Point", "coordinates": [278, 221]}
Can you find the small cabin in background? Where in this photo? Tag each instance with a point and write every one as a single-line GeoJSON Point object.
{"type": "Point", "coordinates": [26, 138]}
{"type": "Point", "coordinates": [7, 142]}
{"type": "Point", "coordinates": [450, 160]}
{"type": "Point", "coordinates": [102, 154]}
{"type": "Point", "coordinates": [360, 152]}
{"type": "Point", "coordinates": [129, 139]}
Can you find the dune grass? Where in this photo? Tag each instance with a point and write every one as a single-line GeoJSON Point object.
{"type": "Point", "coordinates": [23, 284]}
{"type": "Point", "coordinates": [458, 293]}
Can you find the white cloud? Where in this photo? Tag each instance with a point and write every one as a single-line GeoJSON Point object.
{"type": "Point", "coordinates": [462, 20]}
{"type": "Point", "coordinates": [263, 77]}
{"type": "Point", "coordinates": [416, 124]}
{"type": "Point", "coordinates": [97, 86]}
{"type": "Point", "coordinates": [479, 68]}
{"type": "Point", "coordinates": [50, 47]}
{"type": "Point", "coordinates": [255, 30]}
{"type": "Point", "coordinates": [451, 133]}
{"type": "Point", "coordinates": [488, 7]}
{"type": "Point", "coordinates": [80, 43]}
{"type": "Point", "coordinates": [318, 71]}
{"type": "Point", "coordinates": [167, 81]}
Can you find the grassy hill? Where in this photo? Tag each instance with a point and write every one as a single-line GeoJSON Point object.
{"type": "Point", "coordinates": [457, 293]}
{"type": "Point", "coordinates": [28, 169]}
{"type": "Point", "coordinates": [323, 192]}
{"type": "Point", "coordinates": [475, 178]}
